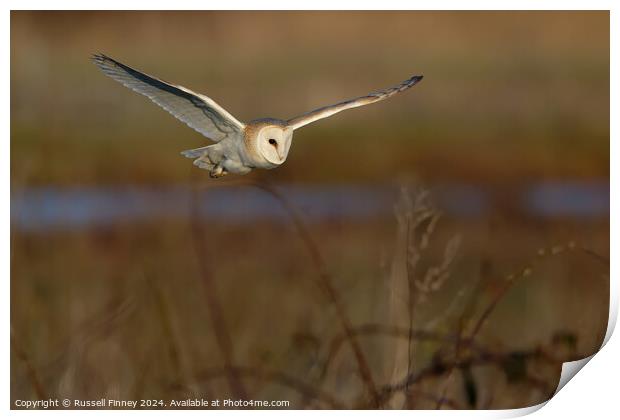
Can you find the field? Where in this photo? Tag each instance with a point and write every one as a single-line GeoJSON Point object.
{"type": "Point", "coordinates": [424, 303]}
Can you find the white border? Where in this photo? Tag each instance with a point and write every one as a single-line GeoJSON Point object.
{"type": "Point", "coordinates": [592, 395]}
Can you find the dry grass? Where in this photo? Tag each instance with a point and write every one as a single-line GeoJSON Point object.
{"type": "Point", "coordinates": [447, 362]}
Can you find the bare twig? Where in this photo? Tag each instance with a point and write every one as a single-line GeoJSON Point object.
{"type": "Point", "coordinates": [440, 367]}
{"type": "Point", "coordinates": [601, 258]}
{"type": "Point", "coordinates": [457, 358]}
{"type": "Point", "coordinates": [31, 372]}
{"type": "Point", "coordinates": [513, 278]}
{"type": "Point", "coordinates": [174, 344]}
{"type": "Point", "coordinates": [96, 326]}
{"type": "Point", "coordinates": [485, 357]}
{"type": "Point", "coordinates": [390, 331]}
{"type": "Point", "coordinates": [410, 308]}
{"type": "Point", "coordinates": [325, 285]}
{"type": "Point", "coordinates": [214, 306]}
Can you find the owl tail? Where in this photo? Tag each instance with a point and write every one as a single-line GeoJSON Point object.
{"type": "Point", "coordinates": [201, 157]}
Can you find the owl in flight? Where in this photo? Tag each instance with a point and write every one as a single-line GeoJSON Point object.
{"type": "Point", "coordinates": [239, 148]}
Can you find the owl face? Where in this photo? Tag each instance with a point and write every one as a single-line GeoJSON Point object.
{"type": "Point", "coordinates": [274, 142]}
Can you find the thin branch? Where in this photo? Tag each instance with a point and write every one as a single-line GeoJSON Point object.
{"type": "Point", "coordinates": [600, 258]}
{"type": "Point", "coordinates": [409, 273]}
{"type": "Point", "coordinates": [325, 285]}
{"type": "Point", "coordinates": [512, 279]}
{"type": "Point", "coordinates": [440, 367]}
{"type": "Point", "coordinates": [216, 314]}
{"type": "Point", "coordinates": [96, 326]}
{"type": "Point", "coordinates": [390, 331]}
{"type": "Point", "coordinates": [31, 372]}
{"type": "Point", "coordinates": [457, 358]}
{"type": "Point", "coordinates": [168, 329]}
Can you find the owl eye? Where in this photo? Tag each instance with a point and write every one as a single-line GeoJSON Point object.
{"type": "Point", "coordinates": [272, 142]}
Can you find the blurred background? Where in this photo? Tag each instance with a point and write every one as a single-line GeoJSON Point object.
{"type": "Point", "coordinates": [459, 232]}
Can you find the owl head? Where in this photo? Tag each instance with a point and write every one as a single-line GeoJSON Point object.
{"type": "Point", "coordinates": [273, 141]}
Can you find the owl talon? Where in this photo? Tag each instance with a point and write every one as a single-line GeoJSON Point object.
{"type": "Point", "coordinates": [218, 172]}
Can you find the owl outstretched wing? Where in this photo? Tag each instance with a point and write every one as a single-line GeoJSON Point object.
{"type": "Point", "coordinates": [198, 111]}
{"type": "Point", "coordinates": [371, 98]}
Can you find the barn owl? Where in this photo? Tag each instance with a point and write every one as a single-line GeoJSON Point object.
{"type": "Point", "coordinates": [263, 143]}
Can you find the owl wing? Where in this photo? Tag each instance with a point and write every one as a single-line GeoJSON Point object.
{"type": "Point", "coordinates": [198, 111]}
{"type": "Point", "coordinates": [371, 98]}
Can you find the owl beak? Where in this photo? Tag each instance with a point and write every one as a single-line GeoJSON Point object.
{"type": "Point", "coordinates": [281, 152]}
